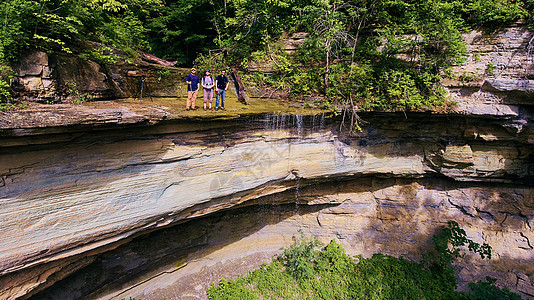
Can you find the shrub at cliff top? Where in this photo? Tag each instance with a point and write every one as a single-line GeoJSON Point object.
{"type": "Point", "coordinates": [376, 55]}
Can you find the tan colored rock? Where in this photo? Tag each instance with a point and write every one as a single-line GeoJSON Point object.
{"type": "Point", "coordinates": [396, 217]}
{"type": "Point", "coordinates": [458, 155]}
{"type": "Point", "coordinates": [164, 178]}
{"type": "Point", "coordinates": [33, 64]}
{"type": "Point", "coordinates": [501, 65]}
{"type": "Point", "coordinates": [63, 78]}
{"type": "Point", "coordinates": [471, 132]}
{"type": "Point", "coordinates": [94, 194]}
{"type": "Point", "coordinates": [487, 159]}
{"type": "Point", "coordinates": [68, 194]}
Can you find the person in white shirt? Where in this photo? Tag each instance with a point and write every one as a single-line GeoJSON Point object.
{"type": "Point", "coordinates": [208, 83]}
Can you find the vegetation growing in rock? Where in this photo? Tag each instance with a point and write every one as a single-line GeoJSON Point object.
{"type": "Point", "coordinates": [303, 272]}
{"type": "Point", "coordinates": [386, 55]}
{"type": "Point", "coordinates": [380, 55]}
{"type": "Point", "coordinates": [71, 90]}
{"type": "Point", "coordinates": [6, 75]}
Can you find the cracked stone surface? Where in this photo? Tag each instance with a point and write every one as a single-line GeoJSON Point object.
{"type": "Point", "coordinates": [76, 195]}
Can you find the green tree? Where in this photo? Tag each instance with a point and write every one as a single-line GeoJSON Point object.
{"type": "Point", "coordinates": [332, 23]}
{"type": "Point", "coordinates": [17, 20]}
{"type": "Point", "coordinates": [182, 30]}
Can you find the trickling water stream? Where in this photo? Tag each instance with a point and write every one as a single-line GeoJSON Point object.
{"type": "Point", "coordinates": [298, 123]}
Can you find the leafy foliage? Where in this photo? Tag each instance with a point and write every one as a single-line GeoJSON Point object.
{"type": "Point", "coordinates": [303, 272]}
{"type": "Point", "coordinates": [386, 277]}
{"type": "Point", "coordinates": [181, 30]}
{"type": "Point", "coordinates": [456, 237]}
{"type": "Point", "coordinates": [494, 14]}
{"type": "Point", "coordinates": [376, 55]}
{"type": "Point", "coordinates": [71, 90]}
{"type": "Point", "coordinates": [448, 244]}
{"type": "Point", "coordinates": [380, 55]}
{"type": "Point", "coordinates": [12, 106]}
{"type": "Point", "coordinates": [6, 75]}
{"type": "Point", "coordinates": [301, 258]}
{"type": "Point", "coordinates": [482, 290]}
{"type": "Point", "coordinates": [54, 24]}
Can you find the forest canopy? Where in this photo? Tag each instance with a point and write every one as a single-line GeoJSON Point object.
{"type": "Point", "coordinates": [386, 54]}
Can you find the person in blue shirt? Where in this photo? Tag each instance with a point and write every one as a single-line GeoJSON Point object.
{"type": "Point", "coordinates": [192, 81]}
{"type": "Point", "coordinates": [222, 85]}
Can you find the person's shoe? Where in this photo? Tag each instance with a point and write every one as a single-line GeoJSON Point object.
{"type": "Point", "coordinates": [187, 109]}
{"type": "Point", "coordinates": [211, 108]}
{"type": "Point", "coordinates": [194, 108]}
{"type": "Point", "coordinates": [223, 108]}
{"type": "Point", "coordinates": [204, 109]}
{"type": "Point", "coordinates": [216, 108]}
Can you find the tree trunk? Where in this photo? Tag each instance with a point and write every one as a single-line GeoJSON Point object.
{"type": "Point", "coordinates": [327, 69]}
{"type": "Point", "coordinates": [240, 88]}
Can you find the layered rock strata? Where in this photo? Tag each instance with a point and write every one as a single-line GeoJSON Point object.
{"type": "Point", "coordinates": [64, 202]}
{"type": "Point", "coordinates": [366, 215]}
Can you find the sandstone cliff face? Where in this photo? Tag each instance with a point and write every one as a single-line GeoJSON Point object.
{"type": "Point", "coordinates": [499, 72]}
{"type": "Point", "coordinates": [64, 202]}
{"type": "Point", "coordinates": [163, 208]}
{"type": "Point", "coordinates": [63, 78]}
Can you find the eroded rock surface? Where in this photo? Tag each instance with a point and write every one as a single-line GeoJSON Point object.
{"type": "Point", "coordinates": [60, 78]}
{"type": "Point", "coordinates": [498, 76]}
{"type": "Point", "coordinates": [63, 202]}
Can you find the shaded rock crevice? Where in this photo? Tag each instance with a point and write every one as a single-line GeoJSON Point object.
{"type": "Point", "coordinates": [529, 245]}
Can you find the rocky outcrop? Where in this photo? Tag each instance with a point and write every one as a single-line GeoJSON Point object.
{"type": "Point", "coordinates": [65, 202]}
{"type": "Point", "coordinates": [496, 77]}
{"type": "Point", "coordinates": [35, 76]}
{"type": "Point", "coordinates": [59, 78]}
{"type": "Point", "coordinates": [399, 216]}
{"type": "Point", "coordinates": [290, 44]}
{"type": "Point", "coordinates": [55, 78]}
{"type": "Point", "coordinates": [499, 73]}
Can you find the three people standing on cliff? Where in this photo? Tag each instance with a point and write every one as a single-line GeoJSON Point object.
{"type": "Point", "coordinates": [221, 83]}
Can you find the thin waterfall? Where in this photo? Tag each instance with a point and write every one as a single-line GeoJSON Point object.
{"type": "Point", "coordinates": [297, 124]}
{"type": "Point", "coordinates": [297, 192]}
